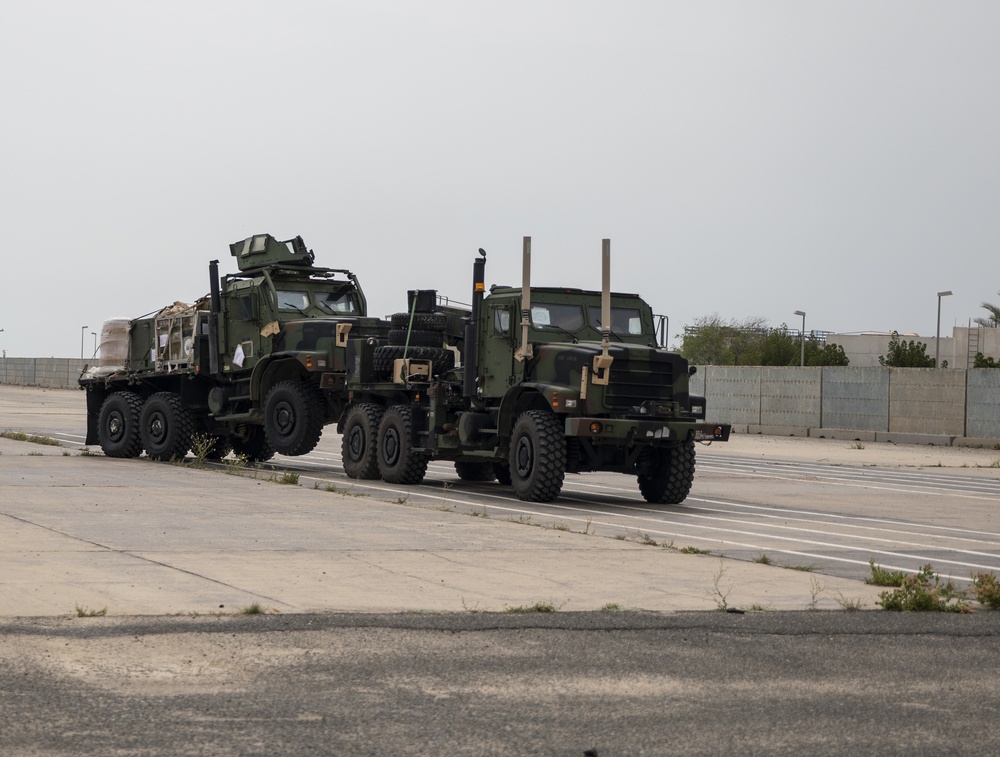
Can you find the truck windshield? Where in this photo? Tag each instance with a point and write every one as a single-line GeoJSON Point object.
{"type": "Point", "coordinates": [564, 317]}
{"type": "Point", "coordinates": [292, 300]}
{"type": "Point", "coordinates": [336, 302]}
{"type": "Point", "coordinates": [623, 320]}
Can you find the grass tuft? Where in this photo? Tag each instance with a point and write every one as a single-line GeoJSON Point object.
{"type": "Point", "coordinates": [20, 436]}
{"type": "Point", "coordinates": [86, 612]}
{"type": "Point", "coordinates": [540, 606]}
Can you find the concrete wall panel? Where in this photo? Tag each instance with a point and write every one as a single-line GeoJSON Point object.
{"type": "Point", "coordinates": [983, 403]}
{"type": "Point", "coordinates": [927, 401]}
{"type": "Point", "coordinates": [51, 372]}
{"type": "Point", "coordinates": [856, 398]}
{"type": "Point", "coordinates": [732, 393]}
{"type": "Point", "coordinates": [790, 396]}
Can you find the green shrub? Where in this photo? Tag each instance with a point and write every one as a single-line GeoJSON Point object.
{"type": "Point", "coordinates": [987, 589]}
{"type": "Point", "coordinates": [924, 592]}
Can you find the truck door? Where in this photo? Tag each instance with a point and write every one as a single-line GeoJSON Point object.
{"type": "Point", "coordinates": [496, 357]}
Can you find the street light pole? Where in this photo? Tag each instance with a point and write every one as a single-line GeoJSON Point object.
{"type": "Point", "coordinates": [802, 338]}
{"type": "Point", "coordinates": [83, 333]}
{"type": "Point", "coordinates": [94, 334]}
{"type": "Point", "coordinates": [937, 336]}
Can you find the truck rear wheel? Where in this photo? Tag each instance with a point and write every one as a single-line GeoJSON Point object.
{"type": "Point", "coordinates": [255, 446]}
{"type": "Point", "coordinates": [672, 474]}
{"type": "Point", "coordinates": [537, 456]}
{"type": "Point", "coordinates": [359, 443]}
{"type": "Point", "coordinates": [293, 417]}
{"type": "Point", "coordinates": [166, 427]}
{"type": "Point", "coordinates": [118, 425]}
{"type": "Point", "coordinates": [398, 462]}
{"type": "Point", "coordinates": [473, 471]}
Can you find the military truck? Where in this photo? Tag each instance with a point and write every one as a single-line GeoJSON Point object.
{"type": "Point", "coordinates": [527, 385]}
{"type": "Point", "coordinates": [258, 365]}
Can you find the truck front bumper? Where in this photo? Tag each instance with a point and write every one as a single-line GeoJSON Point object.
{"type": "Point", "coordinates": [645, 431]}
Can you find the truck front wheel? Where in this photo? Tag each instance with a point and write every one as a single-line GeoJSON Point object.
{"type": "Point", "coordinates": [537, 456]}
{"type": "Point", "coordinates": [670, 475]}
{"type": "Point", "coordinates": [166, 427]}
{"type": "Point", "coordinates": [118, 425]}
{"type": "Point", "coordinates": [293, 417]}
{"type": "Point", "coordinates": [398, 461]}
{"type": "Point", "coordinates": [359, 444]}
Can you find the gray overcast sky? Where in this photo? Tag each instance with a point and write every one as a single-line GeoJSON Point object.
{"type": "Point", "coordinates": [745, 158]}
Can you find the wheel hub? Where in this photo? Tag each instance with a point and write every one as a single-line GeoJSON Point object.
{"type": "Point", "coordinates": [524, 457]}
{"type": "Point", "coordinates": [390, 446]}
{"type": "Point", "coordinates": [284, 418]}
{"type": "Point", "coordinates": [356, 443]}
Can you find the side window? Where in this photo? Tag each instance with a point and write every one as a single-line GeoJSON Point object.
{"type": "Point", "coordinates": [501, 321]}
{"type": "Point", "coordinates": [246, 307]}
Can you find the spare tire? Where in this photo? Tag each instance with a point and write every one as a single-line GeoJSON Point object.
{"type": "Point", "coordinates": [416, 338]}
{"type": "Point", "coordinates": [423, 321]}
{"type": "Point", "coordinates": [443, 360]}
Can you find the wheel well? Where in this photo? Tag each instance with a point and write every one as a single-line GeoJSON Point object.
{"type": "Point", "coordinates": [275, 371]}
{"type": "Point", "coordinates": [516, 403]}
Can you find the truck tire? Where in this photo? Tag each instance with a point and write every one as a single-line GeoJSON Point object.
{"type": "Point", "coordinates": [671, 477]}
{"type": "Point", "coordinates": [293, 417]}
{"type": "Point", "coordinates": [537, 456]}
{"type": "Point", "coordinates": [398, 462]}
{"type": "Point", "coordinates": [418, 338]}
{"type": "Point", "coordinates": [424, 321]}
{"type": "Point", "coordinates": [118, 425]}
{"type": "Point", "coordinates": [255, 447]}
{"type": "Point", "coordinates": [443, 360]}
{"type": "Point", "coordinates": [474, 471]}
{"type": "Point", "coordinates": [359, 443]}
{"type": "Point", "coordinates": [165, 426]}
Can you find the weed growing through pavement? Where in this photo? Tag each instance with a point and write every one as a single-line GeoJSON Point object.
{"type": "Point", "coordinates": [86, 612]}
{"type": "Point", "coordinates": [803, 568]}
{"type": "Point", "coordinates": [289, 478]}
{"type": "Point", "coordinates": [850, 604]}
{"type": "Point", "coordinates": [201, 446]}
{"type": "Point", "coordinates": [252, 609]}
{"type": "Point", "coordinates": [540, 606]}
{"type": "Point", "coordinates": [20, 436]}
{"type": "Point", "coordinates": [924, 592]}
{"type": "Point", "coordinates": [689, 550]}
{"type": "Point", "coordinates": [882, 577]}
{"type": "Point", "coordinates": [721, 597]}
{"type": "Point", "coordinates": [987, 590]}
{"type": "Point", "coordinates": [815, 589]}
{"type": "Point", "coordinates": [763, 559]}
{"type": "Point", "coordinates": [612, 607]}
{"type": "Point", "coordinates": [236, 464]}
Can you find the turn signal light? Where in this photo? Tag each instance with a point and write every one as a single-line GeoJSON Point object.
{"type": "Point", "coordinates": [596, 427]}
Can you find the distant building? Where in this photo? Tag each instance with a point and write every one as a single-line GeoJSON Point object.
{"type": "Point", "coordinates": [958, 350]}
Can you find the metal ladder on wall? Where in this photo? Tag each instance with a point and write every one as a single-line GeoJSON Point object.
{"type": "Point", "coordinates": [973, 347]}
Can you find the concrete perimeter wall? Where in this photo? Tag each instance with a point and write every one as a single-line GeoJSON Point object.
{"type": "Point", "coordinates": [47, 372]}
{"type": "Point", "coordinates": [905, 405]}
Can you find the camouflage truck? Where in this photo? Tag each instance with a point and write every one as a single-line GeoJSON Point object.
{"type": "Point", "coordinates": [258, 365]}
{"type": "Point", "coordinates": [550, 381]}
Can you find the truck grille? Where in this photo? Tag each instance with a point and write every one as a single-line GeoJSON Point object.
{"type": "Point", "coordinates": [634, 381]}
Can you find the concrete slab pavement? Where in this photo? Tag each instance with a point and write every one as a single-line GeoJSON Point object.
{"type": "Point", "coordinates": [141, 538]}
